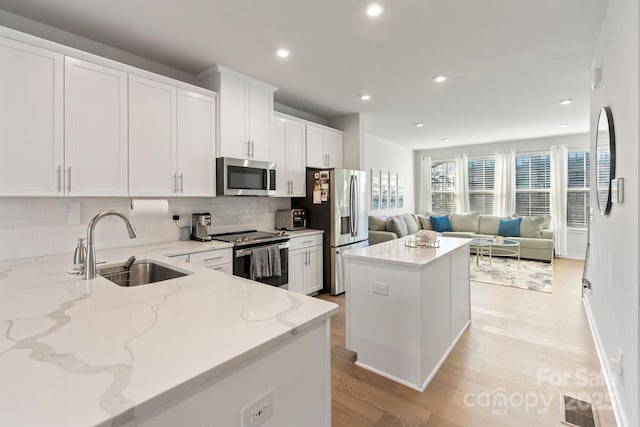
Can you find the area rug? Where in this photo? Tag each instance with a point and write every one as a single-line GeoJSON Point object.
{"type": "Point", "coordinates": [532, 275]}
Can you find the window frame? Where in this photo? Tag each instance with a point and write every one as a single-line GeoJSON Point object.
{"type": "Point", "coordinates": [586, 191]}
{"type": "Point", "coordinates": [484, 191]}
{"type": "Point", "coordinates": [530, 190]}
{"type": "Point", "coordinates": [449, 191]}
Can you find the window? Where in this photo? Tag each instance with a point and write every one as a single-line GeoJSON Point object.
{"type": "Point", "coordinates": [481, 176]}
{"type": "Point", "coordinates": [533, 184]}
{"type": "Point", "coordinates": [443, 186]}
{"type": "Point", "coordinates": [578, 189]}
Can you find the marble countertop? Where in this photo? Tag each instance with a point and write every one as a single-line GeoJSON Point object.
{"type": "Point", "coordinates": [75, 352]}
{"type": "Point", "coordinates": [395, 251]}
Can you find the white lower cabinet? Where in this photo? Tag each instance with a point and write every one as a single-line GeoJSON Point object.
{"type": "Point", "coordinates": [215, 259]}
{"type": "Point", "coordinates": [305, 264]}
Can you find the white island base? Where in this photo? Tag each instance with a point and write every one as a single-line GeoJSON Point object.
{"type": "Point", "coordinates": [407, 307]}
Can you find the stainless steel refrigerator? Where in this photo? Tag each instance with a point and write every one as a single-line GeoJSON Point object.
{"type": "Point", "coordinates": [336, 202]}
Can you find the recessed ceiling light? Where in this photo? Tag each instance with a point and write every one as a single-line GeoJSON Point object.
{"type": "Point", "coordinates": [418, 125]}
{"type": "Point", "coordinates": [374, 9]}
{"type": "Point", "coordinates": [282, 52]}
{"type": "Point", "coordinates": [566, 101]}
{"type": "Point", "coordinates": [440, 79]}
{"type": "Point", "coordinates": [445, 139]}
{"type": "Point", "coordinates": [563, 125]}
{"type": "Point", "coordinates": [365, 97]}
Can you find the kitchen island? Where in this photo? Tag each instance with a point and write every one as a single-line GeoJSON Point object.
{"type": "Point", "coordinates": [198, 350]}
{"type": "Point", "coordinates": [407, 307]}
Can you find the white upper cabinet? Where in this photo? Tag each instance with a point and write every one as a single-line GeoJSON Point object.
{"type": "Point", "coordinates": [245, 115]}
{"type": "Point", "coordinates": [196, 144]}
{"type": "Point", "coordinates": [324, 147]}
{"type": "Point", "coordinates": [152, 138]}
{"type": "Point", "coordinates": [171, 140]}
{"type": "Point", "coordinates": [289, 153]}
{"type": "Point", "coordinates": [95, 130]}
{"type": "Point", "coordinates": [31, 120]}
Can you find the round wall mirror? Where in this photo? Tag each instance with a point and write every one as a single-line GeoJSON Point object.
{"type": "Point", "coordinates": [605, 159]}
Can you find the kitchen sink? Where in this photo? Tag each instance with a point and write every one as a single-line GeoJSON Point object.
{"type": "Point", "coordinates": [140, 273]}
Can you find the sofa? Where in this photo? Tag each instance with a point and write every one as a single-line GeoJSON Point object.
{"type": "Point", "coordinates": [536, 240]}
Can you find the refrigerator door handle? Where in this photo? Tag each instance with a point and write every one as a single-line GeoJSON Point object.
{"type": "Point", "coordinates": [356, 199]}
{"type": "Point", "coordinates": [351, 202]}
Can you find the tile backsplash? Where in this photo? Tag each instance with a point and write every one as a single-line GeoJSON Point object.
{"type": "Point", "coordinates": [33, 226]}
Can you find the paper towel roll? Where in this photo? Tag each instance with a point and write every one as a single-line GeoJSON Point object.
{"type": "Point", "coordinates": [140, 207]}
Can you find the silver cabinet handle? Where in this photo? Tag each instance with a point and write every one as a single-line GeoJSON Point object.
{"type": "Point", "coordinates": [290, 187]}
{"type": "Point", "coordinates": [253, 146]}
{"type": "Point", "coordinates": [248, 148]}
{"type": "Point", "coordinates": [182, 183]}
{"type": "Point", "coordinates": [69, 183]}
{"type": "Point", "coordinates": [59, 179]}
{"type": "Point", "coordinates": [214, 258]}
{"type": "Point", "coordinates": [307, 241]}
{"type": "Point", "coordinates": [175, 183]}
{"type": "Point", "coordinates": [218, 268]}
{"type": "Point", "coordinates": [328, 160]}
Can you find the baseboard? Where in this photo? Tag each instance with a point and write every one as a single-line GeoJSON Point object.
{"type": "Point", "coordinates": [431, 375]}
{"type": "Point", "coordinates": [612, 385]}
{"type": "Point", "coordinates": [439, 365]}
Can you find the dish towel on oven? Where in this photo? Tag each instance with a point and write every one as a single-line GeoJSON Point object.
{"type": "Point", "coordinates": [265, 262]}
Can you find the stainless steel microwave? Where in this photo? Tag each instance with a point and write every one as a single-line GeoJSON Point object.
{"type": "Point", "coordinates": [238, 177]}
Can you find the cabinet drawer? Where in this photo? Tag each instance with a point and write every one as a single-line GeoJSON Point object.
{"type": "Point", "coordinates": [224, 268]}
{"type": "Point", "coordinates": [215, 257]}
{"type": "Point", "coordinates": [305, 241]}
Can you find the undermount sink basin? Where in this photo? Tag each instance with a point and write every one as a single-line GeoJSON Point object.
{"type": "Point", "coordinates": [140, 273]}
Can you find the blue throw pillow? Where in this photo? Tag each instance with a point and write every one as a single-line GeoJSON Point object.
{"type": "Point", "coordinates": [441, 223]}
{"type": "Point", "coordinates": [509, 227]}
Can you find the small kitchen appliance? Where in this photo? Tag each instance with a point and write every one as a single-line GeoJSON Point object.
{"type": "Point", "coordinates": [201, 226]}
{"type": "Point", "coordinates": [291, 219]}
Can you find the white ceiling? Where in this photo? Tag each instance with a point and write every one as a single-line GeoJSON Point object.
{"type": "Point", "coordinates": [509, 62]}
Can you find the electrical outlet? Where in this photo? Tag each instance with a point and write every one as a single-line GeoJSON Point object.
{"type": "Point", "coordinates": [259, 411]}
{"type": "Point", "coordinates": [615, 364]}
{"type": "Point", "coordinates": [381, 289]}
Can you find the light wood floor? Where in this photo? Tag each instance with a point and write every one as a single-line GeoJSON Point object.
{"type": "Point", "coordinates": [522, 345]}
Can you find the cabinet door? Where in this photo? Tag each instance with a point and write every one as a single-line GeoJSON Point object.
{"type": "Point", "coordinates": [313, 273]}
{"type": "Point", "coordinates": [152, 138]}
{"type": "Point", "coordinates": [196, 144]}
{"type": "Point", "coordinates": [296, 157]}
{"type": "Point", "coordinates": [279, 152]}
{"type": "Point", "coordinates": [297, 269]}
{"type": "Point", "coordinates": [261, 117]}
{"type": "Point", "coordinates": [31, 120]}
{"type": "Point", "coordinates": [315, 147]}
{"type": "Point", "coordinates": [95, 129]}
{"type": "Point", "coordinates": [234, 117]}
{"type": "Point", "coordinates": [333, 148]}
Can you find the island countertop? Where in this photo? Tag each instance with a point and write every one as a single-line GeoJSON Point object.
{"type": "Point", "coordinates": [75, 352]}
{"type": "Point", "coordinates": [395, 251]}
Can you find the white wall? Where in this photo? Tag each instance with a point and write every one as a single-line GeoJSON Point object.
{"type": "Point", "coordinates": [389, 156]}
{"type": "Point", "coordinates": [38, 29]}
{"type": "Point", "coordinates": [613, 267]}
{"type": "Point", "coordinates": [33, 226]}
{"type": "Point", "coordinates": [572, 141]}
{"type": "Point", "coordinates": [353, 151]}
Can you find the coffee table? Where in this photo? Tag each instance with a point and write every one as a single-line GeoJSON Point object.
{"type": "Point", "coordinates": [488, 247]}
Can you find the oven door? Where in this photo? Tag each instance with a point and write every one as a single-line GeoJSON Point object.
{"type": "Point", "coordinates": [242, 265]}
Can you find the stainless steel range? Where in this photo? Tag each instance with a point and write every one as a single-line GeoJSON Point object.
{"type": "Point", "coordinates": [249, 248]}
